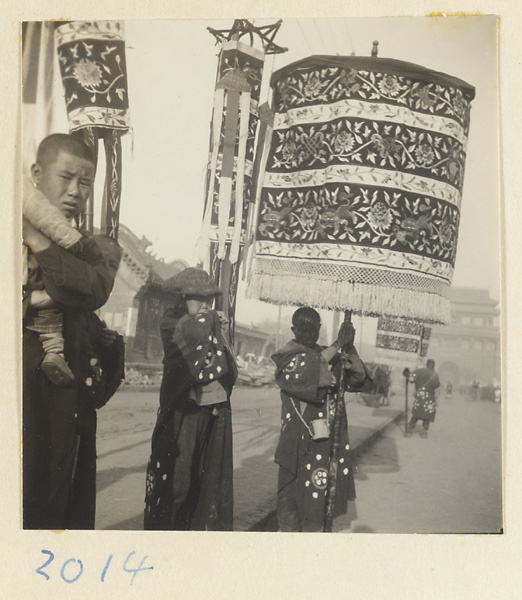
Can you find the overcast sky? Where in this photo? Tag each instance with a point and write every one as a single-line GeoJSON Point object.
{"type": "Point", "coordinates": [172, 70]}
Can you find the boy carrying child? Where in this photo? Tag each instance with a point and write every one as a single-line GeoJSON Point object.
{"type": "Point", "coordinates": [72, 363]}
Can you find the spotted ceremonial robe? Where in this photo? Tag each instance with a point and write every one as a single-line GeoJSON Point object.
{"type": "Point", "coordinates": [308, 386]}
{"type": "Point", "coordinates": [189, 474]}
{"type": "Point", "coordinates": [425, 404]}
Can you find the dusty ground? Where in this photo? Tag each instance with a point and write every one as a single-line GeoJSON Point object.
{"type": "Point", "coordinates": [448, 483]}
{"type": "Point", "coordinates": [124, 430]}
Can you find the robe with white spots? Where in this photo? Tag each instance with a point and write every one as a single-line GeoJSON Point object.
{"type": "Point", "coordinates": [425, 398]}
{"type": "Point", "coordinates": [196, 354]}
{"type": "Point", "coordinates": [304, 376]}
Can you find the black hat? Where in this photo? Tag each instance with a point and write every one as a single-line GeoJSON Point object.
{"type": "Point", "coordinates": [195, 282]}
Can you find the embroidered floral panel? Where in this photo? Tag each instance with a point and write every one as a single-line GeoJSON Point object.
{"type": "Point", "coordinates": [365, 175]}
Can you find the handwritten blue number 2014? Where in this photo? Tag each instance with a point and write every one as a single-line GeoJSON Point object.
{"type": "Point", "coordinates": [69, 574]}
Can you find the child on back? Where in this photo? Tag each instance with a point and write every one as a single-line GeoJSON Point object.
{"type": "Point", "coordinates": [48, 322]}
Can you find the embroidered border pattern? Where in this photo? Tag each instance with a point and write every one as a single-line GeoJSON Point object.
{"type": "Point", "coordinates": [353, 174]}
{"type": "Point", "coordinates": [350, 255]}
{"type": "Point", "coordinates": [362, 216]}
{"type": "Point", "coordinates": [323, 113]}
{"type": "Point", "coordinates": [315, 85]}
{"type": "Point", "coordinates": [371, 144]}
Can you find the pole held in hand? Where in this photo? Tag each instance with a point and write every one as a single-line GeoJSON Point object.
{"type": "Point", "coordinates": [331, 485]}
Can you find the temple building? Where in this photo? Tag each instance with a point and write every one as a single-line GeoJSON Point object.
{"type": "Point", "coordinates": [252, 341]}
{"type": "Point", "coordinates": [138, 300]}
{"type": "Point", "coordinates": [469, 347]}
{"type": "Point", "coordinates": [465, 350]}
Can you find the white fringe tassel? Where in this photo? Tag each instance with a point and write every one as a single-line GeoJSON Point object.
{"type": "Point", "coordinates": [360, 298]}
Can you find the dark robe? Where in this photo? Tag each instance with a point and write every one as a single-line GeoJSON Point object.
{"type": "Point", "coordinates": [425, 402]}
{"type": "Point", "coordinates": [189, 475]}
{"type": "Point", "coordinates": [59, 424]}
{"type": "Point", "coordinates": [308, 386]}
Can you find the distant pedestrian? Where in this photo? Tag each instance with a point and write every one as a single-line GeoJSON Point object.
{"type": "Point", "coordinates": [449, 390]}
{"type": "Point", "coordinates": [475, 387]}
{"type": "Point", "coordinates": [424, 407]}
{"type": "Point", "coordinates": [498, 393]}
{"type": "Point", "coordinates": [380, 394]}
{"type": "Point", "coordinates": [307, 375]}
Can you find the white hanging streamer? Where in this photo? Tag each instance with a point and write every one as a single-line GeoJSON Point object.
{"type": "Point", "coordinates": [240, 175]}
{"type": "Point", "coordinates": [204, 243]}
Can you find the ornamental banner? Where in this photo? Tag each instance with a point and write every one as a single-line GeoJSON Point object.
{"type": "Point", "coordinates": [37, 87]}
{"type": "Point", "coordinates": [425, 341]}
{"type": "Point", "coordinates": [398, 340]}
{"type": "Point", "coordinates": [91, 55]}
{"type": "Point", "coordinates": [361, 196]}
{"type": "Point", "coordinates": [230, 168]}
{"type": "Point", "coordinates": [229, 176]}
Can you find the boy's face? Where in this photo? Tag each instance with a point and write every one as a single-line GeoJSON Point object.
{"type": "Point", "coordinates": [66, 181]}
{"type": "Point", "coordinates": [198, 305]}
{"type": "Point", "coordinates": [307, 335]}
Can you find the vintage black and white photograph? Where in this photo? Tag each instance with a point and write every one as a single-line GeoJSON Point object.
{"type": "Point", "coordinates": [261, 275]}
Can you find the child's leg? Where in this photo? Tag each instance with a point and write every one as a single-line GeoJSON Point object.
{"type": "Point", "coordinates": [53, 364]}
{"type": "Point", "coordinates": [48, 323]}
{"type": "Point", "coordinates": [52, 342]}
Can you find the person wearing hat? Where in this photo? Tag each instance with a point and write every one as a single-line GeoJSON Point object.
{"type": "Point", "coordinates": [308, 375]}
{"type": "Point", "coordinates": [189, 474]}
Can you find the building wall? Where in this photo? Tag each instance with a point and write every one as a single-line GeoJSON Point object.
{"type": "Point", "coordinates": [463, 355]}
{"type": "Point", "coordinates": [120, 310]}
{"type": "Point", "coordinates": [147, 345]}
{"type": "Point", "coordinates": [469, 347]}
{"type": "Point", "coordinates": [136, 305]}
{"type": "Point", "coordinates": [249, 340]}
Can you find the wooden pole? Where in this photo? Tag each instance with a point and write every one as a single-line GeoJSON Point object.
{"type": "Point", "coordinates": [336, 322]}
{"type": "Point", "coordinates": [406, 407]}
{"type": "Point", "coordinates": [278, 338]}
{"type": "Point", "coordinates": [331, 485]}
{"type": "Point", "coordinates": [89, 135]}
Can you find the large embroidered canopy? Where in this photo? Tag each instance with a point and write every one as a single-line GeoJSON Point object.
{"type": "Point", "coordinates": [361, 197]}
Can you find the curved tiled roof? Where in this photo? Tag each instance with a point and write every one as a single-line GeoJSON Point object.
{"type": "Point", "coordinates": [141, 261]}
{"type": "Point", "coordinates": [471, 296]}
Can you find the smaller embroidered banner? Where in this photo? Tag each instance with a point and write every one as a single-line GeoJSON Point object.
{"type": "Point", "coordinates": [398, 335]}
{"type": "Point", "coordinates": [425, 341]}
{"type": "Point", "coordinates": [240, 65]}
{"type": "Point", "coordinates": [91, 55]}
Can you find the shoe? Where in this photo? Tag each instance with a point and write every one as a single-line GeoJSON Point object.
{"type": "Point", "coordinates": [57, 370]}
{"type": "Point", "coordinates": [424, 434]}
